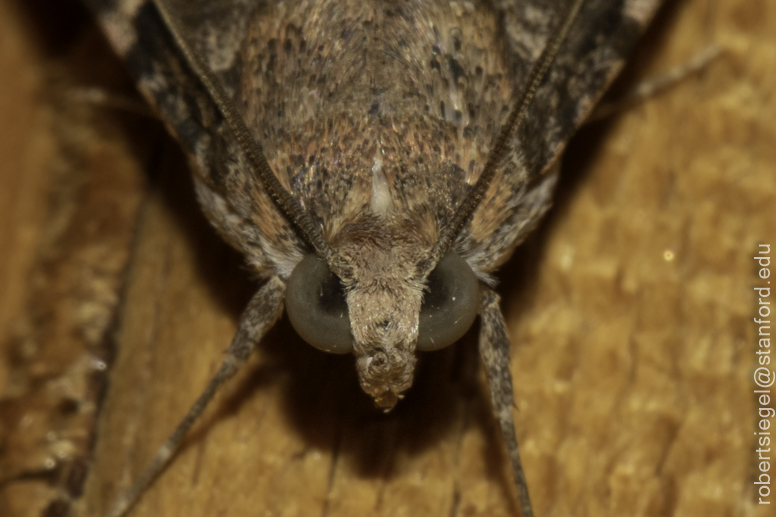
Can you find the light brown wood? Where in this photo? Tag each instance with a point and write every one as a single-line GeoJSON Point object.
{"type": "Point", "coordinates": [71, 191]}
{"type": "Point", "coordinates": [630, 312]}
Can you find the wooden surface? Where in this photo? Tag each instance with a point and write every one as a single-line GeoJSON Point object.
{"type": "Point", "coordinates": [630, 312]}
{"type": "Point", "coordinates": [71, 186]}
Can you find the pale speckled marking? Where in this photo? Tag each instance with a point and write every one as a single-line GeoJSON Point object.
{"type": "Point", "coordinates": [640, 11]}
{"type": "Point", "coordinates": [117, 24]}
{"type": "Point", "coordinates": [380, 201]}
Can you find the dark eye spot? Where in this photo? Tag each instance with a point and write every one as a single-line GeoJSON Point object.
{"type": "Point", "coordinates": [450, 304]}
{"type": "Point", "coordinates": [317, 307]}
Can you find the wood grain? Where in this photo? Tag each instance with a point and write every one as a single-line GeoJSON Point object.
{"type": "Point", "coordinates": [72, 185]}
{"type": "Point", "coordinates": [630, 311]}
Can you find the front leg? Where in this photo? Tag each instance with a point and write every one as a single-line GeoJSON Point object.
{"type": "Point", "coordinates": [262, 312]}
{"type": "Point", "coordinates": [494, 351]}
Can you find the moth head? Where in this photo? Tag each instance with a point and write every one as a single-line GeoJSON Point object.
{"type": "Point", "coordinates": [382, 313]}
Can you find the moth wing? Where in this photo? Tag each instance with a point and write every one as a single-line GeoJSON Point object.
{"type": "Point", "coordinates": [593, 53]}
{"type": "Point", "coordinates": [228, 190]}
{"type": "Point", "coordinates": [217, 31]}
{"type": "Point", "coordinates": [460, 78]}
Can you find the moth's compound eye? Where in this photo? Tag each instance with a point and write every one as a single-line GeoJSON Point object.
{"type": "Point", "coordinates": [450, 304]}
{"type": "Point", "coordinates": [316, 306]}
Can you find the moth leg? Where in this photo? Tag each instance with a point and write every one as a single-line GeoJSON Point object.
{"type": "Point", "coordinates": [262, 312]}
{"type": "Point", "coordinates": [494, 351]}
{"type": "Point", "coordinates": [655, 85]}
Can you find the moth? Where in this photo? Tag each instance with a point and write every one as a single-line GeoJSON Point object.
{"type": "Point", "coordinates": [374, 161]}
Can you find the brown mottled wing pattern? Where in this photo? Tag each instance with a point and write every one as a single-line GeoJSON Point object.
{"type": "Point", "coordinates": [227, 189]}
{"type": "Point", "coordinates": [342, 95]}
{"type": "Point", "coordinates": [368, 107]}
{"type": "Point", "coordinates": [589, 59]}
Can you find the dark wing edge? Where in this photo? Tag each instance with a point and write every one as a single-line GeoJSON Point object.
{"type": "Point", "coordinates": [226, 187]}
{"type": "Point", "coordinates": [594, 52]}
{"type": "Point", "coordinates": [602, 37]}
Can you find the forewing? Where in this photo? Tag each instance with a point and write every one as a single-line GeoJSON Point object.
{"type": "Point", "coordinates": [226, 185]}
{"type": "Point", "coordinates": [374, 108]}
{"type": "Point", "coordinates": [593, 53]}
